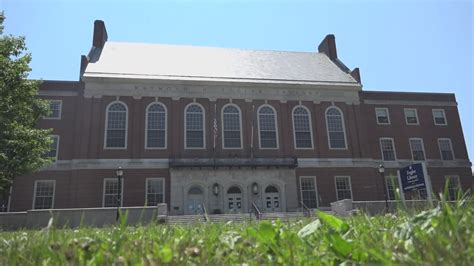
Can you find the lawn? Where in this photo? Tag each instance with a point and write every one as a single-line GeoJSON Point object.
{"type": "Point", "coordinates": [443, 235]}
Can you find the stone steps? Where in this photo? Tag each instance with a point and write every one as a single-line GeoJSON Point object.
{"type": "Point", "coordinates": [240, 217]}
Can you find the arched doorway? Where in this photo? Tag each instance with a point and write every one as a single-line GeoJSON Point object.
{"type": "Point", "coordinates": [272, 199]}
{"type": "Point", "coordinates": [234, 200]}
{"type": "Point", "coordinates": [195, 200]}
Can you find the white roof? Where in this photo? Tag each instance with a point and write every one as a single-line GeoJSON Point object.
{"type": "Point", "coordinates": [158, 61]}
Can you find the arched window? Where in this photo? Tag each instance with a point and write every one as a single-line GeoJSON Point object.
{"type": "Point", "coordinates": [116, 125]}
{"type": "Point", "coordinates": [156, 126]}
{"type": "Point", "coordinates": [231, 130]}
{"type": "Point", "coordinates": [302, 130]}
{"type": "Point", "coordinates": [194, 126]}
{"type": "Point", "coordinates": [267, 127]}
{"type": "Point", "coordinates": [335, 127]}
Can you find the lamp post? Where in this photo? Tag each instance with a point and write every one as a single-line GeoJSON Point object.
{"type": "Point", "coordinates": [382, 174]}
{"type": "Point", "coordinates": [119, 173]}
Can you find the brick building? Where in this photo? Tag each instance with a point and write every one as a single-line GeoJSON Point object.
{"type": "Point", "coordinates": [225, 128]}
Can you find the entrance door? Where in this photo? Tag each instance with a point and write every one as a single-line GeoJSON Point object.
{"type": "Point", "coordinates": [272, 199]}
{"type": "Point", "coordinates": [195, 201]}
{"type": "Point", "coordinates": [234, 200]}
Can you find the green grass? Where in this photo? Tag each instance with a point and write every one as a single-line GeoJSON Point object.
{"type": "Point", "coordinates": [443, 235]}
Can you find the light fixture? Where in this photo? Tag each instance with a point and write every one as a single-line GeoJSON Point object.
{"type": "Point", "coordinates": [255, 188]}
{"type": "Point", "coordinates": [381, 169]}
{"type": "Point", "coordinates": [215, 189]}
{"type": "Point", "coordinates": [119, 171]}
{"type": "Point", "coordinates": [382, 175]}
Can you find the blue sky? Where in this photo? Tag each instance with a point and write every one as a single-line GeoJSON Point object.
{"type": "Point", "coordinates": [417, 46]}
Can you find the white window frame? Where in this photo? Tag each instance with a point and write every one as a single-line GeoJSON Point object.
{"type": "Point", "coordinates": [458, 180]}
{"type": "Point", "coordinates": [377, 117]}
{"type": "Point", "coordinates": [222, 127]}
{"type": "Point", "coordinates": [343, 127]}
{"type": "Point", "coordinates": [422, 148]}
{"type": "Point", "coordinates": [444, 115]}
{"type": "Point", "coordinates": [57, 146]}
{"type": "Point", "coordinates": [146, 188]}
{"type": "Point", "coordinates": [452, 149]}
{"type": "Point", "coordinates": [107, 122]}
{"type": "Point", "coordinates": [60, 110]}
{"type": "Point", "coordinates": [54, 192]}
{"type": "Point", "coordinates": [275, 117]}
{"type": "Point", "coordinates": [203, 127]}
{"type": "Point", "coordinates": [406, 117]}
{"type": "Point", "coordinates": [394, 148]}
{"type": "Point", "coordinates": [388, 181]}
{"type": "Point", "coordinates": [166, 127]}
{"type": "Point", "coordinates": [315, 189]}
{"type": "Point", "coordinates": [350, 185]}
{"type": "Point", "coordinates": [103, 191]}
{"type": "Point", "coordinates": [310, 127]}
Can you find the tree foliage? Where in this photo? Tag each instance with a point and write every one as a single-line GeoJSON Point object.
{"type": "Point", "coordinates": [22, 146]}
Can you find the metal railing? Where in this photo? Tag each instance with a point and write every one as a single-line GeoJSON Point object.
{"type": "Point", "coordinates": [204, 213]}
{"type": "Point", "coordinates": [306, 210]}
{"type": "Point", "coordinates": [256, 211]}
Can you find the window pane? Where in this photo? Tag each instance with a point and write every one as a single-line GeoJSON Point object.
{"type": "Point", "coordinates": [194, 127]}
{"type": "Point", "coordinates": [343, 187]}
{"type": "Point", "coordinates": [267, 128]}
{"type": "Point", "coordinates": [446, 149]}
{"type": "Point", "coordinates": [388, 149]}
{"type": "Point", "coordinates": [335, 129]}
{"type": "Point", "coordinates": [116, 126]}
{"type": "Point", "coordinates": [416, 146]}
{"type": "Point", "coordinates": [301, 125]}
{"type": "Point", "coordinates": [231, 124]}
{"type": "Point", "coordinates": [44, 194]}
{"type": "Point", "coordinates": [155, 192]}
{"type": "Point", "coordinates": [308, 192]}
{"type": "Point", "coordinates": [411, 116]}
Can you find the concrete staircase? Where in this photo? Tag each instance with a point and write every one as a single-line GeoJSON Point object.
{"type": "Point", "coordinates": [238, 217]}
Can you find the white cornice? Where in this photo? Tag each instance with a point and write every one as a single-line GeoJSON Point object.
{"type": "Point", "coordinates": [96, 164]}
{"type": "Point", "coordinates": [408, 102]}
{"type": "Point", "coordinates": [334, 93]}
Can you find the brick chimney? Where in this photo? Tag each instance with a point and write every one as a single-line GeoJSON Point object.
{"type": "Point", "coordinates": [356, 74]}
{"type": "Point", "coordinates": [328, 46]}
{"type": "Point", "coordinates": [100, 34]}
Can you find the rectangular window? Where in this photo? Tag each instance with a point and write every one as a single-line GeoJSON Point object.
{"type": "Point", "coordinates": [54, 109]}
{"type": "Point", "coordinates": [308, 191]}
{"type": "Point", "coordinates": [111, 191]}
{"type": "Point", "coordinates": [53, 152]}
{"type": "Point", "coordinates": [411, 116]}
{"type": "Point", "coordinates": [392, 186]}
{"type": "Point", "coordinates": [44, 194]}
{"type": "Point", "coordinates": [388, 149]}
{"type": "Point", "coordinates": [382, 115]}
{"type": "Point", "coordinates": [439, 117]}
{"type": "Point", "coordinates": [417, 149]}
{"type": "Point", "coordinates": [446, 149]}
{"type": "Point", "coordinates": [155, 191]}
{"type": "Point", "coordinates": [454, 187]}
{"type": "Point", "coordinates": [343, 187]}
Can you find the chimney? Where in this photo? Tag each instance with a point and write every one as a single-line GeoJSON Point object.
{"type": "Point", "coordinates": [356, 74]}
{"type": "Point", "coordinates": [328, 46]}
{"type": "Point", "coordinates": [84, 63]}
{"type": "Point", "coordinates": [100, 34]}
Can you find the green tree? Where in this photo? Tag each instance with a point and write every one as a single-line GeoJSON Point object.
{"type": "Point", "coordinates": [22, 146]}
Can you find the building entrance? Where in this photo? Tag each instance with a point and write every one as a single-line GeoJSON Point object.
{"type": "Point", "coordinates": [234, 200]}
{"type": "Point", "coordinates": [272, 199]}
{"type": "Point", "coordinates": [195, 201]}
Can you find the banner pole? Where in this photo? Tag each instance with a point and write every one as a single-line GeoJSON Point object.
{"type": "Point", "coordinates": [400, 188]}
{"type": "Point", "coordinates": [429, 189]}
